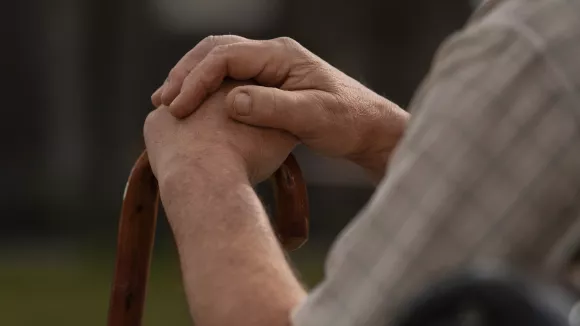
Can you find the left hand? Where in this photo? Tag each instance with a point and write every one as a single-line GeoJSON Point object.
{"type": "Point", "coordinates": [211, 141]}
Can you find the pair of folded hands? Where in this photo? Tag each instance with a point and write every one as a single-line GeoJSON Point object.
{"type": "Point", "coordinates": [283, 95]}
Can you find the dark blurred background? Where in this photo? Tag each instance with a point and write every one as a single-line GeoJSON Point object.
{"type": "Point", "coordinates": [76, 81]}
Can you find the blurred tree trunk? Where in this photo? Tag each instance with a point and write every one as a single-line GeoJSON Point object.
{"type": "Point", "coordinates": [117, 74]}
{"type": "Point", "coordinates": [66, 136]}
{"type": "Point", "coordinates": [24, 111]}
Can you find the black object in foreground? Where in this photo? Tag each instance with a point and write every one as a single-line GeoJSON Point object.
{"type": "Point", "coordinates": [492, 298]}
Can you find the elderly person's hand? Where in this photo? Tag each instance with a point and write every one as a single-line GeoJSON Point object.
{"type": "Point", "coordinates": [298, 92]}
{"type": "Point", "coordinates": [211, 141]}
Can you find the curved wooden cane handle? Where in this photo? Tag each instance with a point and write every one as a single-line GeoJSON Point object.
{"type": "Point", "coordinates": [137, 232]}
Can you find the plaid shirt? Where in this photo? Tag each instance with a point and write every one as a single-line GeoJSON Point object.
{"type": "Point", "coordinates": [488, 169]}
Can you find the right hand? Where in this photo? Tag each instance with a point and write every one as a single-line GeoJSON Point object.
{"type": "Point", "coordinates": [210, 140]}
{"type": "Point", "coordinates": [298, 92]}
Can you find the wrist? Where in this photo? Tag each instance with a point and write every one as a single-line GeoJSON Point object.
{"type": "Point", "coordinates": [204, 166]}
{"type": "Point", "coordinates": [381, 138]}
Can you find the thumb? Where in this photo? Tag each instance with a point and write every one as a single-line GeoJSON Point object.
{"type": "Point", "coordinates": [272, 107]}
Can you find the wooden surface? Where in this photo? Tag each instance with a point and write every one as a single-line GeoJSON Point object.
{"type": "Point", "coordinates": [134, 246]}
{"type": "Point", "coordinates": [291, 197]}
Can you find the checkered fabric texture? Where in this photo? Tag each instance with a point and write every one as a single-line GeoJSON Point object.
{"type": "Point", "coordinates": [489, 168]}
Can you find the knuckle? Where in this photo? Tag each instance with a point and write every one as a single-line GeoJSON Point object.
{"type": "Point", "coordinates": [209, 41]}
{"type": "Point", "coordinates": [231, 38]}
{"type": "Point", "coordinates": [220, 50]}
{"type": "Point", "coordinates": [293, 49]}
{"type": "Point", "coordinates": [287, 42]}
{"type": "Point", "coordinates": [214, 41]}
{"type": "Point", "coordinates": [175, 73]}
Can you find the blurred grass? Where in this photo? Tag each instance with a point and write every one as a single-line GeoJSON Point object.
{"type": "Point", "coordinates": [75, 291]}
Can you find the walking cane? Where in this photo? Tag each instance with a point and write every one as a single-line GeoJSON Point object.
{"type": "Point", "coordinates": [137, 231]}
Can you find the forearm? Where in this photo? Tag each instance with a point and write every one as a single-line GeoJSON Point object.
{"type": "Point", "coordinates": [234, 270]}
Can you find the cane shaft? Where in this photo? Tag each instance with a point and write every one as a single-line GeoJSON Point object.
{"type": "Point", "coordinates": [134, 246]}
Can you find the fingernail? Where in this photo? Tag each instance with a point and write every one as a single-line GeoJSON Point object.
{"type": "Point", "coordinates": [242, 104]}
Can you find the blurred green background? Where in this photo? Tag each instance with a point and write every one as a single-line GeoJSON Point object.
{"type": "Point", "coordinates": [67, 290]}
{"type": "Point", "coordinates": [77, 78]}
{"type": "Point", "coordinates": [76, 292]}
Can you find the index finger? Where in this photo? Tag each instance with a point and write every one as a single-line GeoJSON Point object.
{"type": "Point", "coordinates": [267, 62]}
{"type": "Point", "coordinates": [187, 63]}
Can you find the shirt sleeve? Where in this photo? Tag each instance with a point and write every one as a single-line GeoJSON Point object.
{"type": "Point", "coordinates": [489, 168]}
